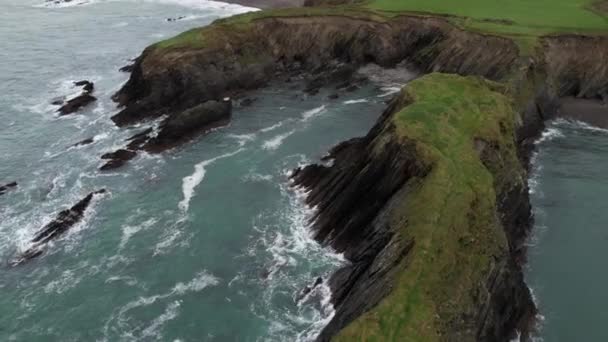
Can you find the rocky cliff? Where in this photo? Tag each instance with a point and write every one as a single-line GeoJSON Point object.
{"type": "Point", "coordinates": [431, 208]}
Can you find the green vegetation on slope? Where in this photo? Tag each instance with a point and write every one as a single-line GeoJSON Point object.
{"type": "Point", "coordinates": [451, 213]}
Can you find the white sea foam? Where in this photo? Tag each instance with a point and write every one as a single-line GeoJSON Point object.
{"type": "Point", "coordinates": [189, 183]}
{"type": "Point", "coordinates": [129, 230]}
{"type": "Point", "coordinates": [355, 101]}
{"type": "Point", "coordinates": [309, 114]}
{"type": "Point", "coordinates": [198, 283]}
{"type": "Point", "coordinates": [64, 282]}
{"type": "Point", "coordinates": [273, 127]}
{"type": "Point", "coordinates": [288, 248]}
{"type": "Point", "coordinates": [256, 177]}
{"type": "Point", "coordinates": [549, 134]}
{"type": "Point", "coordinates": [275, 142]}
{"type": "Point", "coordinates": [242, 139]}
{"type": "Point", "coordinates": [388, 91]}
{"type": "Point", "coordinates": [120, 321]}
{"type": "Point", "coordinates": [576, 124]}
{"type": "Point", "coordinates": [153, 330]}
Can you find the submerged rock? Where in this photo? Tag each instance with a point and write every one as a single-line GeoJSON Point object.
{"type": "Point", "coordinates": [6, 187]}
{"type": "Point", "coordinates": [176, 18]}
{"type": "Point", "coordinates": [84, 142]}
{"type": "Point", "coordinates": [65, 220]}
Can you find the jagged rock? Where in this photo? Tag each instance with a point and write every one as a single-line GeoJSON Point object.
{"type": "Point", "coordinates": [137, 141]}
{"type": "Point", "coordinates": [6, 187]}
{"type": "Point", "coordinates": [184, 125]}
{"type": "Point", "coordinates": [65, 220]}
{"type": "Point", "coordinates": [117, 159]}
{"type": "Point", "coordinates": [87, 86]}
{"type": "Point", "coordinates": [76, 103]}
{"type": "Point", "coordinates": [333, 96]}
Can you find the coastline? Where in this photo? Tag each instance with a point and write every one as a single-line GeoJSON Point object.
{"type": "Point", "coordinates": [266, 4]}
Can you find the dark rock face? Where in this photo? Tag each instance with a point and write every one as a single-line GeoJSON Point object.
{"type": "Point", "coordinates": [65, 220]}
{"type": "Point", "coordinates": [6, 187]}
{"type": "Point", "coordinates": [76, 103]}
{"type": "Point", "coordinates": [353, 198]}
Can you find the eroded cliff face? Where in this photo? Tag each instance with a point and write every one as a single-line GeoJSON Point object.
{"type": "Point", "coordinates": [577, 65]}
{"type": "Point", "coordinates": [230, 57]}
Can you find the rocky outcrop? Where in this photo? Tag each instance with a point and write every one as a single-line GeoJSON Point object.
{"type": "Point", "coordinates": [6, 187]}
{"type": "Point", "coordinates": [174, 130]}
{"type": "Point", "coordinates": [80, 101]}
{"type": "Point", "coordinates": [65, 220]}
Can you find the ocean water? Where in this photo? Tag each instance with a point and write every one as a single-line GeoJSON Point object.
{"type": "Point", "coordinates": [206, 242]}
{"type": "Point", "coordinates": [569, 245]}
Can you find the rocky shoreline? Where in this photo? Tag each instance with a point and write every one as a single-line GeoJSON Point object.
{"type": "Point", "coordinates": [371, 176]}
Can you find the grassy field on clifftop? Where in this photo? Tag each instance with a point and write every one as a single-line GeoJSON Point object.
{"type": "Point", "coordinates": [509, 16]}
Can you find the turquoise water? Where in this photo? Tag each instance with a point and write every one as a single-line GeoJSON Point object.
{"type": "Point", "coordinates": [206, 242]}
{"type": "Point", "coordinates": [569, 246]}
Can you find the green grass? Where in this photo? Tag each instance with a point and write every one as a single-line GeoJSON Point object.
{"type": "Point", "coordinates": [527, 17]}
{"type": "Point", "coordinates": [451, 213]}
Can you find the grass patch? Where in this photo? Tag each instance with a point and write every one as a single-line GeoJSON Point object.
{"type": "Point", "coordinates": [451, 214]}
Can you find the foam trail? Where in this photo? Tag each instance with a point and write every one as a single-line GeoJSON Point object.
{"type": "Point", "coordinates": [242, 139]}
{"type": "Point", "coordinates": [550, 134]}
{"type": "Point", "coordinates": [355, 101]}
{"type": "Point", "coordinates": [309, 114]}
{"type": "Point", "coordinates": [388, 91]}
{"type": "Point", "coordinates": [273, 127]}
{"type": "Point", "coordinates": [189, 183]}
{"type": "Point", "coordinates": [277, 141]}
